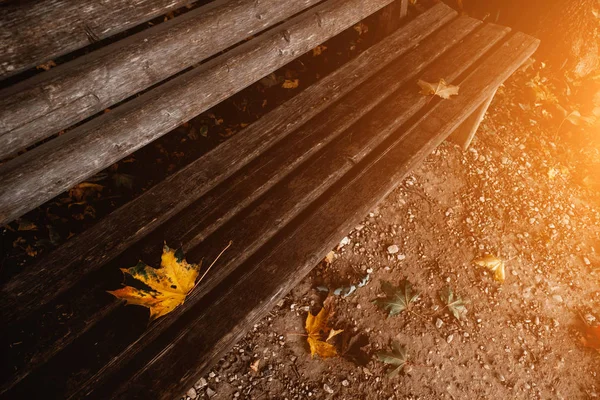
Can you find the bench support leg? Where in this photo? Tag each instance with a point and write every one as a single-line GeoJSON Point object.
{"type": "Point", "coordinates": [464, 134]}
{"type": "Point", "coordinates": [391, 17]}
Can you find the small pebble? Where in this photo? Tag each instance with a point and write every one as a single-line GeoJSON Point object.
{"type": "Point", "coordinates": [201, 383]}
{"type": "Point", "coordinates": [327, 389]}
{"type": "Point", "coordinates": [439, 323]}
{"type": "Point", "coordinates": [210, 392]}
{"type": "Point", "coordinates": [558, 298]}
{"type": "Point", "coordinates": [345, 383]}
{"type": "Point", "coordinates": [192, 393]}
{"type": "Point", "coordinates": [449, 338]}
{"type": "Point", "coordinates": [393, 249]}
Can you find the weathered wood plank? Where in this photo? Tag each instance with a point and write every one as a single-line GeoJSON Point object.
{"type": "Point", "coordinates": [257, 176]}
{"type": "Point", "coordinates": [293, 253]}
{"type": "Point", "coordinates": [391, 17]}
{"type": "Point", "coordinates": [89, 250]}
{"type": "Point", "coordinates": [262, 219]}
{"type": "Point", "coordinates": [39, 107]}
{"type": "Point", "coordinates": [464, 134]}
{"type": "Point", "coordinates": [46, 171]}
{"type": "Point", "coordinates": [32, 32]}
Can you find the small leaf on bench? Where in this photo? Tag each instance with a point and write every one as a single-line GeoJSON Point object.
{"type": "Point", "coordinates": [169, 285]}
{"type": "Point", "coordinates": [441, 89]}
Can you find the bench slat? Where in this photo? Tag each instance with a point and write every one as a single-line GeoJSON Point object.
{"type": "Point", "coordinates": [33, 32]}
{"type": "Point", "coordinates": [42, 106]}
{"type": "Point", "coordinates": [48, 170]}
{"type": "Point", "coordinates": [277, 209]}
{"type": "Point", "coordinates": [87, 251]}
{"type": "Point", "coordinates": [295, 252]}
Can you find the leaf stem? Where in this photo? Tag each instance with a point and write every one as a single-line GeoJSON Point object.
{"type": "Point", "coordinates": [213, 263]}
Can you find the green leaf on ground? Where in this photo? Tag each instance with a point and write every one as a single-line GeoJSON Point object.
{"type": "Point", "coordinates": [397, 358]}
{"type": "Point", "coordinates": [456, 305]}
{"type": "Point", "coordinates": [397, 298]}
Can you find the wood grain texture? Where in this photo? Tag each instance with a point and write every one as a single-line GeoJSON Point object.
{"type": "Point", "coordinates": [464, 134]}
{"type": "Point", "coordinates": [244, 186]}
{"type": "Point", "coordinates": [52, 101]}
{"type": "Point", "coordinates": [391, 17]}
{"type": "Point", "coordinates": [91, 249]}
{"type": "Point", "coordinates": [32, 32]}
{"type": "Point", "coordinates": [46, 171]}
{"type": "Point", "coordinates": [292, 254]}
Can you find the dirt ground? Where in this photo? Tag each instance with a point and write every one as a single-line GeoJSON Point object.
{"type": "Point", "coordinates": [519, 192]}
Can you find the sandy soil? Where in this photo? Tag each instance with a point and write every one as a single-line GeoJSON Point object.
{"type": "Point", "coordinates": [517, 193]}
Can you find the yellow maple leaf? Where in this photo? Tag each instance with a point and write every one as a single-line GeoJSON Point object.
{"type": "Point", "coordinates": [316, 327]}
{"type": "Point", "coordinates": [169, 285]}
{"type": "Point", "coordinates": [441, 88]}
{"type": "Point", "coordinates": [494, 264]}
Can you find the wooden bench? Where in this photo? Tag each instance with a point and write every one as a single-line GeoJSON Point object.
{"type": "Point", "coordinates": [284, 190]}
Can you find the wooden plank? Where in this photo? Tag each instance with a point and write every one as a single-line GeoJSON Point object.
{"type": "Point", "coordinates": [464, 134]}
{"type": "Point", "coordinates": [262, 219]}
{"type": "Point", "coordinates": [238, 191]}
{"type": "Point", "coordinates": [46, 171]}
{"type": "Point", "coordinates": [32, 32]}
{"type": "Point", "coordinates": [391, 17]}
{"type": "Point", "coordinates": [288, 259]}
{"type": "Point", "coordinates": [91, 249]}
{"type": "Point", "coordinates": [50, 102]}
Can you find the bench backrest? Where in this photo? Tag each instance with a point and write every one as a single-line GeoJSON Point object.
{"type": "Point", "coordinates": [158, 78]}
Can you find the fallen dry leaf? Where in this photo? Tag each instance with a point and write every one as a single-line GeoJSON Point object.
{"type": "Point", "coordinates": [84, 189]}
{"type": "Point", "coordinates": [317, 51]}
{"type": "Point", "coordinates": [254, 365]}
{"type": "Point", "coordinates": [169, 285]}
{"type": "Point", "coordinates": [397, 358]}
{"type": "Point", "coordinates": [397, 298]}
{"type": "Point", "coordinates": [361, 28]}
{"type": "Point", "coordinates": [329, 257]}
{"type": "Point", "coordinates": [494, 264]}
{"type": "Point", "coordinates": [541, 91]}
{"type": "Point", "coordinates": [316, 327]}
{"type": "Point", "coordinates": [46, 66]}
{"type": "Point", "coordinates": [441, 88]}
{"type": "Point", "coordinates": [456, 305]}
{"type": "Point", "coordinates": [290, 84]}
{"type": "Point", "coordinates": [577, 119]}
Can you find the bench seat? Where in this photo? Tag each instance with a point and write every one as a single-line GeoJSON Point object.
{"type": "Point", "coordinates": [284, 191]}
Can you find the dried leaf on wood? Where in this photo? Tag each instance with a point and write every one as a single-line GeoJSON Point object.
{"type": "Point", "coordinates": [316, 328]}
{"type": "Point", "coordinates": [456, 305]}
{"type": "Point", "coordinates": [441, 88]}
{"type": "Point", "coordinates": [397, 358]}
{"type": "Point", "coordinates": [168, 286]}
{"type": "Point", "coordinates": [361, 28]}
{"type": "Point", "coordinates": [494, 264]}
{"type": "Point", "coordinates": [317, 51]}
{"type": "Point", "coordinates": [290, 84]}
{"type": "Point", "coordinates": [397, 298]}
